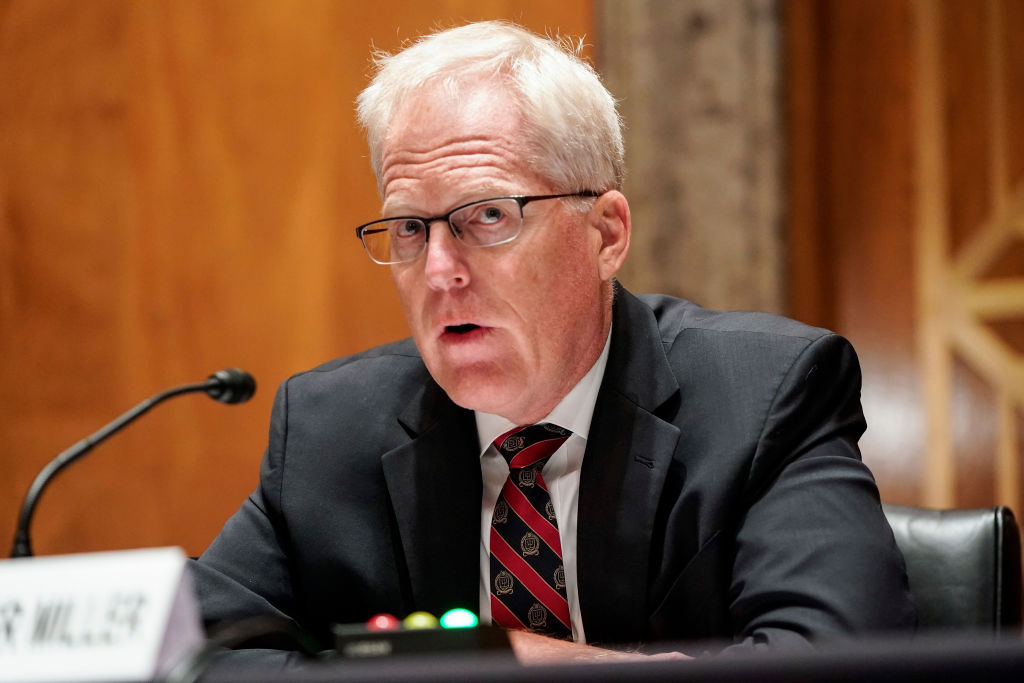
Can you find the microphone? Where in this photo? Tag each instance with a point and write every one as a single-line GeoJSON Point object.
{"type": "Point", "coordinates": [227, 386]}
{"type": "Point", "coordinates": [231, 386]}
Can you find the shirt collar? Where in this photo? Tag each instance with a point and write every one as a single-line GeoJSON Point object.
{"type": "Point", "coordinates": [574, 412]}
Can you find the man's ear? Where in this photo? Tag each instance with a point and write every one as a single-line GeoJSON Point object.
{"type": "Point", "coordinates": [610, 216]}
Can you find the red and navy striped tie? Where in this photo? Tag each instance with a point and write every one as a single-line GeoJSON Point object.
{"type": "Point", "coordinates": [527, 575]}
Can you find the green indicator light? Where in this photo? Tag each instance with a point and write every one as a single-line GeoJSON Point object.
{"type": "Point", "coordinates": [459, 618]}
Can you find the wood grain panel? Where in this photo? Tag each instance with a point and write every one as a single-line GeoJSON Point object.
{"type": "Point", "coordinates": [907, 183]}
{"type": "Point", "coordinates": [1009, 30]}
{"type": "Point", "coordinates": [179, 184]}
{"type": "Point", "coordinates": [967, 104]}
{"type": "Point", "coordinates": [974, 428]}
{"type": "Point", "coordinates": [851, 219]}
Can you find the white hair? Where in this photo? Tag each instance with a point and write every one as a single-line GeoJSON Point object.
{"type": "Point", "coordinates": [573, 132]}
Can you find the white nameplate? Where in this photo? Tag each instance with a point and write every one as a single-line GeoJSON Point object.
{"type": "Point", "coordinates": [124, 615]}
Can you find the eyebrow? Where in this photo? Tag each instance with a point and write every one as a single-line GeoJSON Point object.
{"type": "Point", "coordinates": [483, 193]}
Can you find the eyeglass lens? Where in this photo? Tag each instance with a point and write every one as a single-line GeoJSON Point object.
{"type": "Point", "coordinates": [481, 224]}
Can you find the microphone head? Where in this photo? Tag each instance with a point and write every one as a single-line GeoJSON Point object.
{"type": "Point", "coordinates": [231, 386]}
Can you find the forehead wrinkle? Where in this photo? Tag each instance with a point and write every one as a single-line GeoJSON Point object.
{"type": "Point", "coordinates": [446, 162]}
{"type": "Point", "coordinates": [420, 168]}
{"type": "Point", "coordinates": [457, 152]}
{"type": "Point", "coordinates": [396, 200]}
{"type": "Point", "coordinates": [454, 146]}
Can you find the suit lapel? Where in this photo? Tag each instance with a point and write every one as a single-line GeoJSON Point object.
{"type": "Point", "coordinates": [435, 489]}
{"type": "Point", "coordinates": [629, 451]}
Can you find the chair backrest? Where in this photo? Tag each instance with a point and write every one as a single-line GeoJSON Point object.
{"type": "Point", "coordinates": [964, 566]}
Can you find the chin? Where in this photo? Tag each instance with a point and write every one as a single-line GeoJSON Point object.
{"type": "Point", "coordinates": [476, 399]}
{"type": "Point", "coordinates": [468, 390]}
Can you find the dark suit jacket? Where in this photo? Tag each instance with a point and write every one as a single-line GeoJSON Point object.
{"type": "Point", "coordinates": [722, 494]}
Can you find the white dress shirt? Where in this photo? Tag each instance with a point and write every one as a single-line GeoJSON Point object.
{"type": "Point", "coordinates": [561, 474]}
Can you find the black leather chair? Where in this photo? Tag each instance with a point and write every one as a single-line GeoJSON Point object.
{"type": "Point", "coordinates": [964, 567]}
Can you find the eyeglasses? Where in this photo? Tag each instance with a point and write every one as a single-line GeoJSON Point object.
{"type": "Point", "coordinates": [486, 223]}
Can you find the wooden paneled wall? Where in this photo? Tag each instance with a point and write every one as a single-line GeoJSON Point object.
{"type": "Point", "coordinates": [180, 179]}
{"type": "Point", "coordinates": [850, 97]}
{"type": "Point", "coordinates": [179, 186]}
{"type": "Point", "coordinates": [906, 182]}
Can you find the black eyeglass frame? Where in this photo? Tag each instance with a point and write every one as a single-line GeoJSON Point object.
{"type": "Point", "coordinates": [521, 200]}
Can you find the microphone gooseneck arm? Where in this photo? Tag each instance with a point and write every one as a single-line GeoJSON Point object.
{"type": "Point", "coordinates": [227, 386]}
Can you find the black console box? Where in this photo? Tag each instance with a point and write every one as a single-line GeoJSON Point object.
{"type": "Point", "coordinates": [357, 642]}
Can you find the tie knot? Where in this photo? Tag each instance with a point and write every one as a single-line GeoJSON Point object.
{"type": "Point", "coordinates": [531, 445]}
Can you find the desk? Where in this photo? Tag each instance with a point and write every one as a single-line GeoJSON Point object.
{"type": "Point", "coordinates": [943, 659]}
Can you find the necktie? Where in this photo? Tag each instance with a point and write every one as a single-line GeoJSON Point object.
{"type": "Point", "coordinates": [527, 576]}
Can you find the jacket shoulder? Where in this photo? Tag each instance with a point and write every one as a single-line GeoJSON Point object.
{"type": "Point", "coordinates": [677, 316]}
{"type": "Point", "coordinates": [377, 378]}
{"type": "Point", "coordinates": [394, 351]}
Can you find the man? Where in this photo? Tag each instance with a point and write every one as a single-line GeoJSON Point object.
{"type": "Point", "coordinates": [705, 481]}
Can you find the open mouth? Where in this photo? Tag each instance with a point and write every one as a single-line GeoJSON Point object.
{"type": "Point", "coordinates": [461, 329]}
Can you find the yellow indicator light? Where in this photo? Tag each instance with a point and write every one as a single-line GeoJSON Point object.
{"type": "Point", "coordinates": [420, 620]}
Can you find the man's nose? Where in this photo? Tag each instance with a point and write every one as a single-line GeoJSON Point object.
{"type": "Point", "coordinates": [445, 265]}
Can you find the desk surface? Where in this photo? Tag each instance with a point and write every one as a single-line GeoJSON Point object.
{"type": "Point", "coordinates": [945, 659]}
